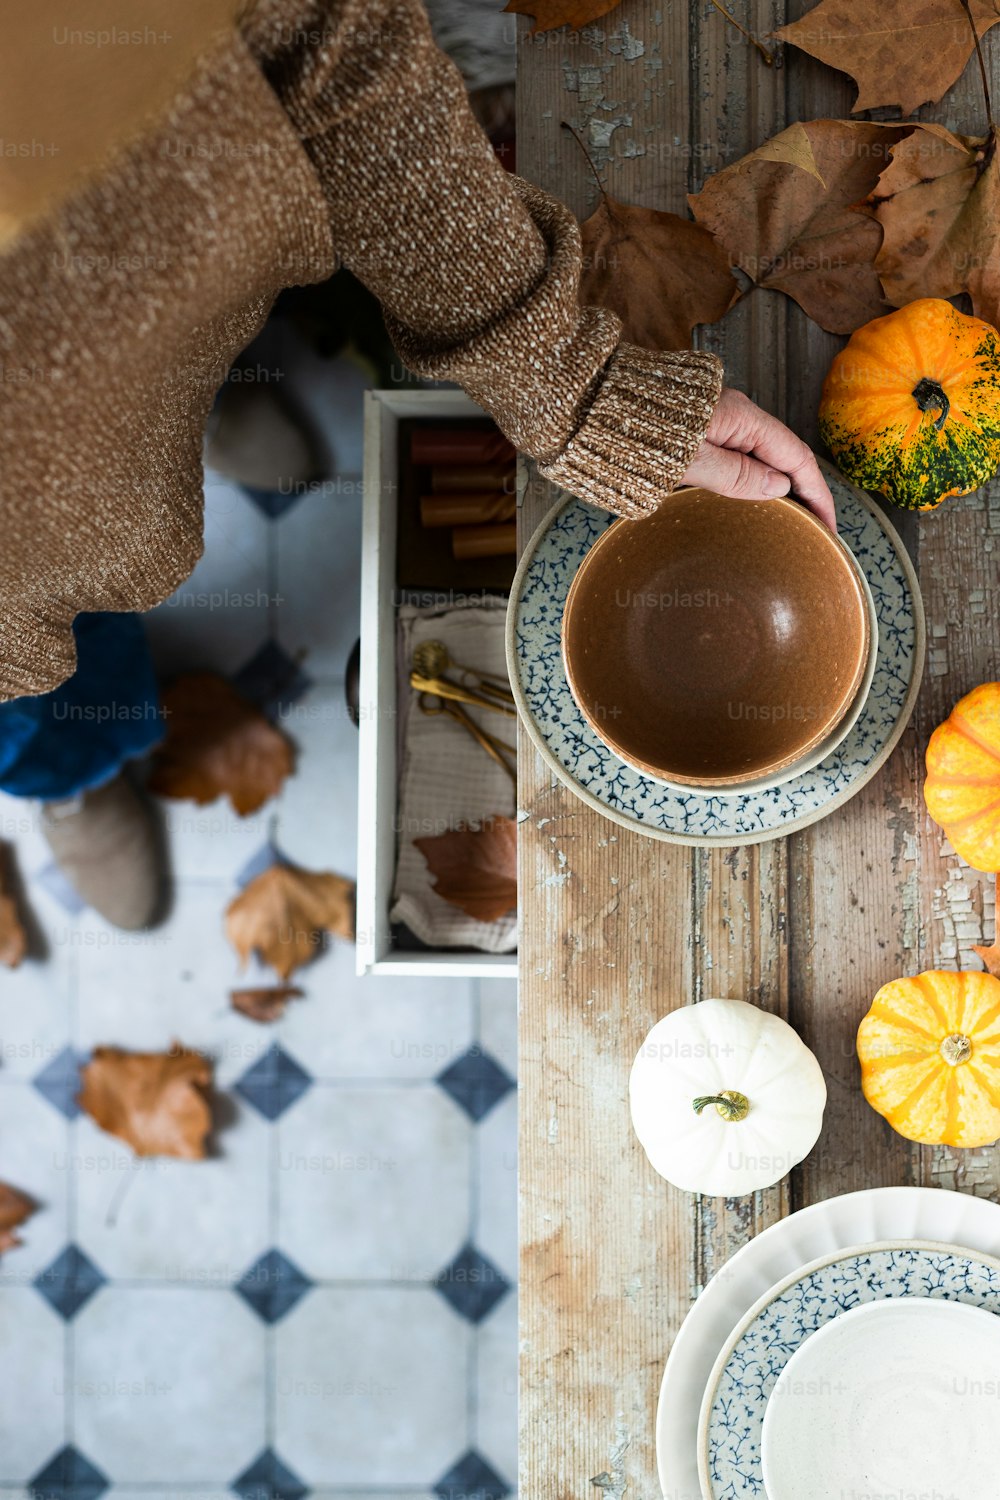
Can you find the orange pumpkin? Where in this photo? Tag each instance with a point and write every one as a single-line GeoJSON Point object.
{"type": "Point", "coordinates": [962, 789]}
{"type": "Point", "coordinates": [911, 407]}
{"type": "Point", "coordinates": [930, 1057]}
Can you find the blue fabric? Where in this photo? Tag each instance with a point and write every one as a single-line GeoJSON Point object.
{"type": "Point", "coordinates": [78, 736]}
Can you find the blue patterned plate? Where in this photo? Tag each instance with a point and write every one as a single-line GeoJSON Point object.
{"type": "Point", "coordinates": [751, 1362]}
{"type": "Point", "coordinates": [595, 774]}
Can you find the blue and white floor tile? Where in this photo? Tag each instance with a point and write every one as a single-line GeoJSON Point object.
{"type": "Point", "coordinates": [327, 1306]}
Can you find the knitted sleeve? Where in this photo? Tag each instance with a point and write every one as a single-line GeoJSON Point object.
{"type": "Point", "coordinates": [477, 271]}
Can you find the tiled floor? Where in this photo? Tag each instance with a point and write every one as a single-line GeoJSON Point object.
{"type": "Point", "coordinates": [326, 1307]}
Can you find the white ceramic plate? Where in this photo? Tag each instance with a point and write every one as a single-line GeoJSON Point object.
{"type": "Point", "coordinates": [597, 776]}
{"type": "Point", "coordinates": [876, 1214]}
{"type": "Point", "coordinates": [891, 1398]}
{"type": "Point", "coordinates": [753, 1360]}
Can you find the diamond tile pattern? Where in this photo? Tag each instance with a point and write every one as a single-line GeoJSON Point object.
{"type": "Point", "coordinates": [59, 1081]}
{"type": "Point", "coordinates": [70, 1281]}
{"type": "Point", "coordinates": [269, 1479]}
{"type": "Point", "coordinates": [272, 679]}
{"type": "Point", "coordinates": [471, 1479]}
{"type": "Point", "coordinates": [165, 1347]}
{"type": "Point", "coordinates": [266, 856]}
{"type": "Point", "coordinates": [68, 1476]}
{"type": "Point", "coordinates": [272, 503]}
{"type": "Point", "coordinates": [476, 1082]}
{"type": "Point", "coordinates": [472, 1284]}
{"type": "Point", "coordinates": [273, 1285]}
{"type": "Point", "coordinates": [273, 1083]}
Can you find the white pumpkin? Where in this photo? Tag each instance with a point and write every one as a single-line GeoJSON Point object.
{"type": "Point", "coordinates": [726, 1098]}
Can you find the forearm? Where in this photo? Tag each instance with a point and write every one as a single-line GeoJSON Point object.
{"type": "Point", "coordinates": [477, 271]}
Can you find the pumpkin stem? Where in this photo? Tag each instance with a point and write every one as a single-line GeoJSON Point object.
{"type": "Point", "coordinates": [956, 1049]}
{"type": "Point", "coordinates": [929, 396]}
{"type": "Point", "coordinates": [730, 1104]}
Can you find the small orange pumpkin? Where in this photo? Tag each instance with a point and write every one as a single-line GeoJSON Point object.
{"type": "Point", "coordinates": [962, 789]}
{"type": "Point", "coordinates": [930, 1057]}
{"type": "Point", "coordinates": [911, 407]}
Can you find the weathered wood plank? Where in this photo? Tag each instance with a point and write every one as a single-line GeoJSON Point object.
{"type": "Point", "coordinates": [617, 930]}
{"type": "Point", "coordinates": [608, 1263]}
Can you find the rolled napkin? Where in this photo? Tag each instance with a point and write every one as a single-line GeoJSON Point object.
{"type": "Point", "coordinates": [446, 780]}
{"type": "Point", "coordinates": [460, 445]}
{"type": "Point", "coordinates": [472, 508]}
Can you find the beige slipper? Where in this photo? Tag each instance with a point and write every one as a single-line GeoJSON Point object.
{"type": "Point", "coordinates": [105, 843]}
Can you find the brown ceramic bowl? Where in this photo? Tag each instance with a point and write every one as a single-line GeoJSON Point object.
{"type": "Point", "coordinates": [716, 641]}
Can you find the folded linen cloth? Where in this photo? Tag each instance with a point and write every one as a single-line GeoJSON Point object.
{"type": "Point", "coordinates": [446, 779]}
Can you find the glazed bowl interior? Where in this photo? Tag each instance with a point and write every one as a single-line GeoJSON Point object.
{"type": "Point", "coordinates": [716, 641]}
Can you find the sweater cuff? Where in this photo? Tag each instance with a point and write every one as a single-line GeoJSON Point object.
{"type": "Point", "coordinates": [644, 425]}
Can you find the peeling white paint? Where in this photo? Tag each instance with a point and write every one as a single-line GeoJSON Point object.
{"type": "Point", "coordinates": [955, 908]}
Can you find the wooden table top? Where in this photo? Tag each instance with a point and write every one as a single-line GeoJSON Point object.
{"type": "Point", "coordinates": [618, 929]}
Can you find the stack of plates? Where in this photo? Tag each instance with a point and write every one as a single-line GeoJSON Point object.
{"type": "Point", "coordinates": [850, 1351]}
{"type": "Point", "coordinates": [773, 807]}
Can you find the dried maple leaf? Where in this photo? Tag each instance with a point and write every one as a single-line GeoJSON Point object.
{"type": "Point", "coordinates": [660, 273]}
{"type": "Point", "coordinates": [475, 868]}
{"type": "Point", "coordinates": [15, 1207]}
{"type": "Point", "coordinates": [217, 743]}
{"type": "Point", "coordinates": [13, 938]}
{"type": "Point", "coordinates": [266, 1003]}
{"type": "Point", "coordinates": [548, 14]}
{"type": "Point", "coordinates": [791, 216]}
{"type": "Point", "coordinates": [283, 914]}
{"type": "Point", "coordinates": [903, 52]}
{"type": "Point", "coordinates": [156, 1101]}
{"type": "Point", "coordinates": [938, 202]}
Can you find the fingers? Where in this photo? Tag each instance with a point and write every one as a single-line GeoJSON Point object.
{"type": "Point", "coordinates": [737, 474]}
{"type": "Point", "coordinates": [738, 423]}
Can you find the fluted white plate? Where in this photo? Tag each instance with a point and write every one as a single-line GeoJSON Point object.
{"type": "Point", "coordinates": [875, 1214]}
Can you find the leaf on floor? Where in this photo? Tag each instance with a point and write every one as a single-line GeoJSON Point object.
{"type": "Point", "coordinates": [548, 14]}
{"type": "Point", "coordinates": [266, 1003]}
{"type": "Point", "coordinates": [15, 1207]}
{"type": "Point", "coordinates": [158, 1102]}
{"type": "Point", "coordinates": [475, 869]}
{"type": "Point", "coordinates": [218, 744]}
{"type": "Point", "coordinates": [899, 52]}
{"type": "Point", "coordinates": [13, 937]}
{"type": "Point", "coordinates": [938, 202]}
{"type": "Point", "coordinates": [793, 216]}
{"type": "Point", "coordinates": [660, 273]}
{"type": "Point", "coordinates": [283, 914]}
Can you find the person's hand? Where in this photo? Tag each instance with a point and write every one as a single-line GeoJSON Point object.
{"type": "Point", "coordinates": [753, 456]}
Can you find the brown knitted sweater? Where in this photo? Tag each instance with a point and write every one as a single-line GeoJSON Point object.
{"type": "Point", "coordinates": [316, 134]}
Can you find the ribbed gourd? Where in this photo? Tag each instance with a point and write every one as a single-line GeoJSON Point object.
{"type": "Point", "coordinates": [911, 406]}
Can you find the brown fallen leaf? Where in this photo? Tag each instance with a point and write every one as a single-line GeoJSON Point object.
{"type": "Point", "coordinates": [791, 215]}
{"type": "Point", "coordinates": [266, 1003]}
{"type": "Point", "coordinates": [15, 1207]}
{"type": "Point", "coordinates": [475, 868]}
{"type": "Point", "coordinates": [938, 202]}
{"type": "Point", "coordinates": [218, 743]}
{"type": "Point", "coordinates": [156, 1101]}
{"type": "Point", "coordinates": [284, 912]}
{"type": "Point", "coordinates": [13, 938]}
{"type": "Point", "coordinates": [660, 273]}
{"type": "Point", "coordinates": [902, 52]}
{"type": "Point", "coordinates": [548, 14]}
